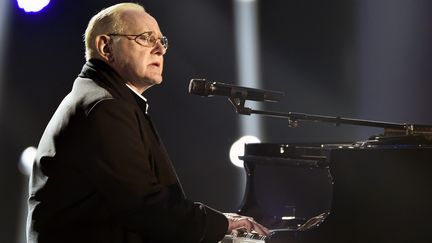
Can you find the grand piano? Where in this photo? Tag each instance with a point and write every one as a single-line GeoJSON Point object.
{"type": "Point", "coordinates": [379, 190]}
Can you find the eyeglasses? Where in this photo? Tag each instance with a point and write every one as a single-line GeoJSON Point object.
{"type": "Point", "coordinates": [147, 39]}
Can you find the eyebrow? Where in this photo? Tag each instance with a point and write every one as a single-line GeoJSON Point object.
{"type": "Point", "coordinates": [158, 33]}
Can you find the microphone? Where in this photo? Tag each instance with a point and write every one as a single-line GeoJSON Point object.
{"type": "Point", "coordinates": [207, 88]}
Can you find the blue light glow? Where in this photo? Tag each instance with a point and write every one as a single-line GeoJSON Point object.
{"type": "Point", "coordinates": [32, 5]}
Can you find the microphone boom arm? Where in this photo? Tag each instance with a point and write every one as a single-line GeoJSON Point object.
{"type": "Point", "coordinates": [294, 118]}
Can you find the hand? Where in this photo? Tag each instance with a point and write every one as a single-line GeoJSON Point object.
{"type": "Point", "coordinates": [236, 221]}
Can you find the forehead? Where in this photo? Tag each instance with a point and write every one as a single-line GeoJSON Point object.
{"type": "Point", "coordinates": [139, 21]}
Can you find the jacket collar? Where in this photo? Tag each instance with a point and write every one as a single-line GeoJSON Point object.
{"type": "Point", "coordinates": [105, 76]}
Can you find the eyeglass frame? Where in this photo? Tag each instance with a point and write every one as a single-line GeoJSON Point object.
{"type": "Point", "coordinates": [163, 39]}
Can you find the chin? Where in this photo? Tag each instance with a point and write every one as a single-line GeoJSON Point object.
{"type": "Point", "coordinates": [157, 80]}
{"type": "Point", "coordinates": [153, 80]}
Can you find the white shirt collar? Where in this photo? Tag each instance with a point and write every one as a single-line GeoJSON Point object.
{"type": "Point", "coordinates": [139, 95]}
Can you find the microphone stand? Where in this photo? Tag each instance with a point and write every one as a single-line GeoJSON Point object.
{"type": "Point", "coordinates": [294, 118]}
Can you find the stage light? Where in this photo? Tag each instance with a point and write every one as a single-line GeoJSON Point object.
{"type": "Point", "coordinates": [248, 59]}
{"type": "Point", "coordinates": [25, 164]}
{"type": "Point", "coordinates": [237, 149]}
{"type": "Point", "coordinates": [32, 5]}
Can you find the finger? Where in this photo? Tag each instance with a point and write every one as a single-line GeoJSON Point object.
{"type": "Point", "coordinates": [260, 229]}
{"type": "Point", "coordinates": [245, 223]}
{"type": "Point", "coordinates": [248, 225]}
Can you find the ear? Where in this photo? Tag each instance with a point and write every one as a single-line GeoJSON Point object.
{"type": "Point", "coordinates": [103, 47]}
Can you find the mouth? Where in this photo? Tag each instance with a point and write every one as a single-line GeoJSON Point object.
{"type": "Point", "coordinates": [155, 64]}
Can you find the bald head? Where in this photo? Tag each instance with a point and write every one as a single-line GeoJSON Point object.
{"type": "Point", "coordinates": [110, 20]}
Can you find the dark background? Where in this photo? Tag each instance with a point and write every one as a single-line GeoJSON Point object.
{"type": "Point", "coordinates": [365, 59]}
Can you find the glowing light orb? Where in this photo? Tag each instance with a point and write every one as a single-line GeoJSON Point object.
{"type": "Point", "coordinates": [25, 164]}
{"type": "Point", "coordinates": [32, 5]}
{"type": "Point", "coordinates": [237, 149]}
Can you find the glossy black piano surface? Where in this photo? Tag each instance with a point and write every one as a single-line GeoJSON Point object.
{"type": "Point", "coordinates": [377, 191]}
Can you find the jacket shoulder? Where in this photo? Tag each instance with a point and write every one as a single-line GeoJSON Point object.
{"type": "Point", "coordinates": [88, 93]}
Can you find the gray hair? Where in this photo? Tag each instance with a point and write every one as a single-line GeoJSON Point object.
{"type": "Point", "coordinates": [106, 21]}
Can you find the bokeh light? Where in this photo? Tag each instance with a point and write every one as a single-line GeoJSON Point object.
{"type": "Point", "coordinates": [25, 164]}
{"type": "Point", "coordinates": [237, 149]}
{"type": "Point", "coordinates": [32, 5]}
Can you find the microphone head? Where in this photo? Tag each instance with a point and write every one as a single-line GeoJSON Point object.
{"type": "Point", "coordinates": [199, 87]}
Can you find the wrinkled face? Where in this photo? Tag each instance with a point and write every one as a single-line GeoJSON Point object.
{"type": "Point", "coordinates": [141, 66]}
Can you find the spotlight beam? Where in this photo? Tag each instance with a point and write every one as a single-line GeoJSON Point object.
{"type": "Point", "coordinates": [247, 49]}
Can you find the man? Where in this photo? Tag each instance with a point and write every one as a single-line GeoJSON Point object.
{"type": "Point", "coordinates": [101, 172]}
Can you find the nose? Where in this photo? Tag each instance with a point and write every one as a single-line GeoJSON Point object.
{"type": "Point", "coordinates": [159, 48]}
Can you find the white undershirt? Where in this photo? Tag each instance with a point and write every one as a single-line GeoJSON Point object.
{"type": "Point", "coordinates": [139, 95]}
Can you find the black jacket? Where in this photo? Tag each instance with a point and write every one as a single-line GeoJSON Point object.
{"type": "Point", "coordinates": [102, 174]}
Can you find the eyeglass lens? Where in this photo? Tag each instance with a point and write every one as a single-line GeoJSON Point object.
{"type": "Point", "coordinates": [149, 39]}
